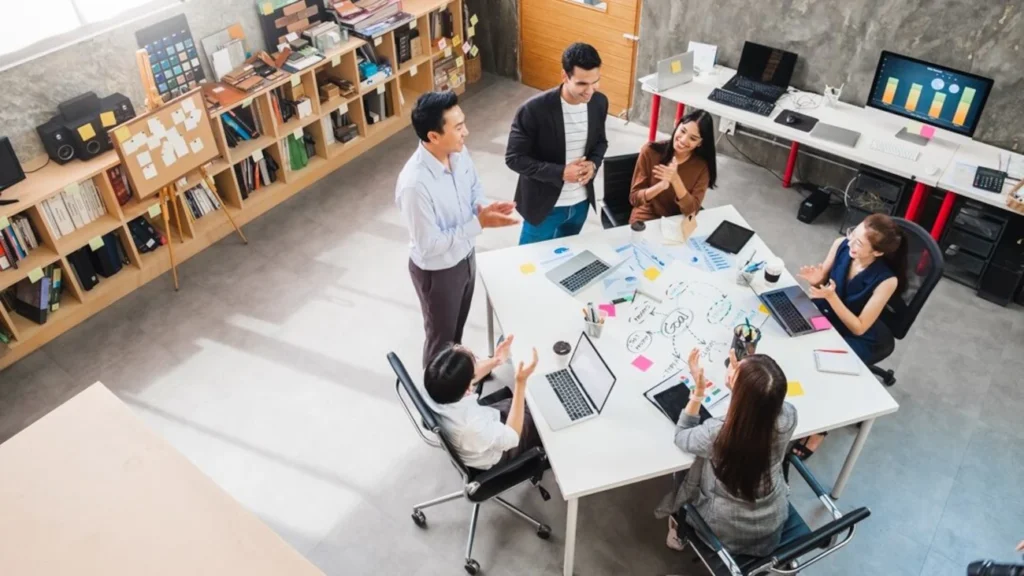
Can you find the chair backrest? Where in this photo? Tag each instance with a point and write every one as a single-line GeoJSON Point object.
{"type": "Point", "coordinates": [924, 269]}
{"type": "Point", "coordinates": [428, 419]}
{"type": "Point", "coordinates": [618, 177]}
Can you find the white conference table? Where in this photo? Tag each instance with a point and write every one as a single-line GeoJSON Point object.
{"type": "Point", "coordinates": [631, 440]}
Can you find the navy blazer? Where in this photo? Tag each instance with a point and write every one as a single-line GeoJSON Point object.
{"type": "Point", "coordinates": [536, 151]}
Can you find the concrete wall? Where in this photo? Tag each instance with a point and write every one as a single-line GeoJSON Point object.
{"type": "Point", "coordinates": [29, 93]}
{"type": "Point", "coordinates": [497, 34]}
{"type": "Point", "coordinates": [839, 42]}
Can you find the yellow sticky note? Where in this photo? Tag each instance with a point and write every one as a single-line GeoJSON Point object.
{"type": "Point", "coordinates": [267, 8]}
{"type": "Point", "coordinates": [336, 60]}
{"type": "Point", "coordinates": [764, 309]}
{"type": "Point", "coordinates": [470, 32]}
{"type": "Point", "coordinates": [4, 222]}
{"type": "Point", "coordinates": [86, 131]}
{"type": "Point", "coordinates": [474, 51]}
{"type": "Point", "coordinates": [108, 119]}
{"type": "Point", "coordinates": [246, 103]}
{"type": "Point", "coordinates": [122, 134]}
{"type": "Point", "coordinates": [473, 20]}
{"type": "Point", "coordinates": [55, 306]}
{"type": "Point", "coordinates": [35, 275]}
{"type": "Point", "coordinates": [453, 79]}
{"type": "Point", "coordinates": [96, 243]}
{"type": "Point", "coordinates": [414, 70]}
{"type": "Point", "coordinates": [378, 40]}
{"type": "Point", "coordinates": [677, 66]}
{"type": "Point", "coordinates": [794, 389]}
{"type": "Point", "coordinates": [298, 134]}
{"type": "Point", "coordinates": [448, 52]}
{"type": "Point", "coordinates": [413, 24]}
{"type": "Point", "coordinates": [528, 268]}
{"type": "Point", "coordinates": [154, 210]}
{"type": "Point", "coordinates": [459, 61]}
{"type": "Point", "coordinates": [652, 273]}
{"type": "Point", "coordinates": [296, 80]}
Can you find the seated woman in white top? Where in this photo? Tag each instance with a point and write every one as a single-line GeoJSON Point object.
{"type": "Point", "coordinates": [483, 436]}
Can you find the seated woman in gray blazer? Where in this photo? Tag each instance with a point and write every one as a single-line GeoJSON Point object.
{"type": "Point", "coordinates": [736, 482]}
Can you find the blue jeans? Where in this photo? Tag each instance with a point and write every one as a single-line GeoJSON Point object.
{"type": "Point", "coordinates": [563, 221]}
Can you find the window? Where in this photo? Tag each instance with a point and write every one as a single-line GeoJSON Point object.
{"type": "Point", "coordinates": [32, 28]}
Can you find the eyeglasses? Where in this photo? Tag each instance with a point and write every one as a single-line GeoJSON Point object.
{"type": "Point", "coordinates": [854, 242]}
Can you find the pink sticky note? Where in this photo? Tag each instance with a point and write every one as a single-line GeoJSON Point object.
{"type": "Point", "coordinates": [927, 131]}
{"type": "Point", "coordinates": [642, 363]}
{"type": "Point", "coordinates": [820, 323]}
{"type": "Point", "coordinates": [609, 308]}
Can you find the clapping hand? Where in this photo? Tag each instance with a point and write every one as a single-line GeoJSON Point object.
{"type": "Point", "coordinates": [730, 370]}
{"type": "Point", "coordinates": [502, 351]}
{"type": "Point", "coordinates": [699, 384]}
{"type": "Point", "coordinates": [814, 275]}
{"type": "Point", "coordinates": [524, 372]}
{"type": "Point", "coordinates": [826, 292]}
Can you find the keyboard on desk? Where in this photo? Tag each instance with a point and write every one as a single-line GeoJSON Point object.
{"type": "Point", "coordinates": [786, 312]}
{"type": "Point", "coordinates": [583, 276]}
{"type": "Point", "coordinates": [895, 149]}
{"type": "Point", "coordinates": [740, 101]}
{"type": "Point", "coordinates": [766, 91]}
{"type": "Point", "coordinates": [569, 395]}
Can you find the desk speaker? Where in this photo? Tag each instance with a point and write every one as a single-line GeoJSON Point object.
{"type": "Point", "coordinates": [57, 140]}
{"type": "Point", "coordinates": [88, 136]}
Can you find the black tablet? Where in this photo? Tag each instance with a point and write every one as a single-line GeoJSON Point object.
{"type": "Point", "coordinates": [729, 237]}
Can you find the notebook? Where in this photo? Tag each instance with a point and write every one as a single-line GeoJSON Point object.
{"type": "Point", "coordinates": [837, 362]}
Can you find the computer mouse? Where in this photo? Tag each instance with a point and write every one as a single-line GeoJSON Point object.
{"type": "Point", "coordinates": [790, 119]}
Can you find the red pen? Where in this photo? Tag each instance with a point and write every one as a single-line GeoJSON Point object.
{"type": "Point", "coordinates": [833, 351]}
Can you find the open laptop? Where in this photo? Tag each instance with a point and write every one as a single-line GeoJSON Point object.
{"type": "Point", "coordinates": [763, 74]}
{"type": "Point", "coordinates": [578, 272]}
{"type": "Point", "coordinates": [794, 310]}
{"type": "Point", "coordinates": [577, 393]}
{"type": "Point", "coordinates": [673, 72]}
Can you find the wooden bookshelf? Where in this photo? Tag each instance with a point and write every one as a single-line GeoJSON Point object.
{"type": "Point", "coordinates": [408, 81]}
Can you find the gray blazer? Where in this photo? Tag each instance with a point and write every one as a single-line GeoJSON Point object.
{"type": "Point", "coordinates": [752, 528]}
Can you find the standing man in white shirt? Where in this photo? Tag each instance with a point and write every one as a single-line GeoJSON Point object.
{"type": "Point", "coordinates": [443, 205]}
{"type": "Point", "coordinates": [556, 145]}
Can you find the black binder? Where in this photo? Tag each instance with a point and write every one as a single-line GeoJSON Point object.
{"type": "Point", "coordinates": [82, 264]}
{"type": "Point", "coordinates": [107, 261]}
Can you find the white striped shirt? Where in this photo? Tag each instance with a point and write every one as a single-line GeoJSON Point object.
{"type": "Point", "coordinates": [575, 118]}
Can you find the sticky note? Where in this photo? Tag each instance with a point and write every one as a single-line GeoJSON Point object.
{"type": "Point", "coordinates": [642, 363]}
{"type": "Point", "coordinates": [474, 51]}
{"type": "Point", "coordinates": [4, 222]}
{"type": "Point", "coordinates": [343, 109]}
{"type": "Point", "coordinates": [122, 134]}
{"type": "Point", "coordinates": [182, 183]}
{"type": "Point", "coordinates": [794, 389]}
{"type": "Point", "coordinates": [336, 60]}
{"type": "Point", "coordinates": [413, 24]}
{"type": "Point", "coordinates": [72, 188]}
{"type": "Point", "coordinates": [144, 159]}
{"type": "Point", "coordinates": [96, 243]}
{"type": "Point", "coordinates": [453, 79]}
{"type": "Point", "coordinates": [246, 103]}
{"type": "Point", "coordinates": [528, 268]}
{"type": "Point", "coordinates": [35, 275]}
{"type": "Point", "coordinates": [470, 32]}
{"type": "Point", "coordinates": [473, 20]}
{"type": "Point", "coordinates": [381, 89]}
{"type": "Point", "coordinates": [459, 61]}
{"type": "Point", "coordinates": [677, 66]}
{"type": "Point", "coordinates": [296, 80]}
{"type": "Point", "coordinates": [108, 119]}
{"type": "Point", "coordinates": [257, 156]}
{"type": "Point", "coordinates": [414, 70]}
{"type": "Point", "coordinates": [448, 52]}
{"type": "Point", "coordinates": [466, 46]}
{"type": "Point", "coordinates": [378, 40]}
{"type": "Point", "coordinates": [149, 172]}
{"type": "Point", "coordinates": [154, 210]}
{"type": "Point", "coordinates": [86, 131]}
{"type": "Point", "coordinates": [652, 273]}
{"type": "Point", "coordinates": [820, 323]}
{"type": "Point", "coordinates": [764, 309]}
{"type": "Point", "coordinates": [267, 8]}
{"type": "Point", "coordinates": [196, 146]}
{"type": "Point", "coordinates": [442, 43]}
{"type": "Point", "coordinates": [188, 105]}
{"type": "Point", "coordinates": [927, 131]}
{"type": "Point", "coordinates": [456, 40]}
{"type": "Point", "coordinates": [297, 134]}
{"type": "Point", "coordinates": [608, 309]}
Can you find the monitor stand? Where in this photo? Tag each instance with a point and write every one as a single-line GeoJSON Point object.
{"type": "Point", "coordinates": [903, 134]}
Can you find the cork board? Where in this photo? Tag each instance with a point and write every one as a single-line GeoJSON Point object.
{"type": "Point", "coordinates": [158, 148]}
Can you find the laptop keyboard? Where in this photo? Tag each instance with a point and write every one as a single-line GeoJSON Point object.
{"type": "Point", "coordinates": [584, 276]}
{"type": "Point", "coordinates": [569, 395]}
{"type": "Point", "coordinates": [787, 313]}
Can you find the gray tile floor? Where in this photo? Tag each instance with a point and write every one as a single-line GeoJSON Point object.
{"type": "Point", "coordinates": [267, 370]}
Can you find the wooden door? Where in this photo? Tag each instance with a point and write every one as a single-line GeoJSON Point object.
{"type": "Point", "coordinates": [548, 26]}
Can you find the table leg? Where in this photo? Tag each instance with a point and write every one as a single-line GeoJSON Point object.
{"type": "Point", "coordinates": [787, 177]}
{"type": "Point", "coordinates": [652, 130]}
{"type": "Point", "coordinates": [570, 537]}
{"type": "Point", "coordinates": [680, 112]}
{"type": "Point", "coordinates": [851, 458]}
{"type": "Point", "coordinates": [944, 212]}
{"type": "Point", "coordinates": [490, 327]}
{"type": "Point", "coordinates": [916, 200]}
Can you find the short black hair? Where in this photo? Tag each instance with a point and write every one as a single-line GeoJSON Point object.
{"type": "Point", "coordinates": [428, 115]}
{"type": "Point", "coordinates": [580, 55]}
{"type": "Point", "coordinates": [449, 374]}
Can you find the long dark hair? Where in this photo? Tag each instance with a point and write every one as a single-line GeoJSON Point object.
{"type": "Point", "coordinates": [887, 237]}
{"type": "Point", "coordinates": [706, 150]}
{"type": "Point", "coordinates": [742, 455]}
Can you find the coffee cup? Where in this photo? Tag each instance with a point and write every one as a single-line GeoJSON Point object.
{"type": "Point", "coordinates": [773, 270]}
{"type": "Point", "coordinates": [561, 350]}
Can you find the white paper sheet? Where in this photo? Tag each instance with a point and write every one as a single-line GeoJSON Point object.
{"type": "Point", "coordinates": [154, 142]}
{"type": "Point", "coordinates": [149, 172]}
{"type": "Point", "coordinates": [156, 128]}
{"type": "Point", "coordinates": [178, 116]}
{"type": "Point", "coordinates": [144, 159]}
{"type": "Point", "coordinates": [196, 146]}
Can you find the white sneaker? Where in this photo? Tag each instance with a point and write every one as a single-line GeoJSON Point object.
{"type": "Point", "coordinates": [672, 540]}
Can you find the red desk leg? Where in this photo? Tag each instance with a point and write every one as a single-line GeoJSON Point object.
{"type": "Point", "coordinates": [920, 193]}
{"type": "Point", "coordinates": [944, 212]}
{"type": "Point", "coordinates": [652, 131]}
{"type": "Point", "coordinates": [787, 177]}
{"type": "Point", "coordinates": [680, 111]}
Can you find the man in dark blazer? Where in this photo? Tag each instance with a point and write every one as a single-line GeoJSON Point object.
{"type": "Point", "coordinates": [556, 146]}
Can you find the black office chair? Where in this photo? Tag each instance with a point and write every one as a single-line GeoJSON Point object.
{"type": "Point", "coordinates": [924, 269]}
{"type": "Point", "coordinates": [478, 486]}
{"type": "Point", "coordinates": [618, 177]}
{"type": "Point", "coordinates": [798, 540]}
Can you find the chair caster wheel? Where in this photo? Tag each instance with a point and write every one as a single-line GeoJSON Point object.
{"type": "Point", "coordinates": [419, 518]}
{"type": "Point", "coordinates": [472, 566]}
{"type": "Point", "coordinates": [544, 494]}
{"type": "Point", "coordinates": [544, 532]}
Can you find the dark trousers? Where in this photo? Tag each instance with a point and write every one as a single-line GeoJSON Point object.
{"type": "Point", "coordinates": [528, 438]}
{"type": "Point", "coordinates": [445, 297]}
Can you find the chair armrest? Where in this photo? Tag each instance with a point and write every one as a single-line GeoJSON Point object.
{"type": "Point", "coordinates": [815, 486]}
{"type": "Point", "coordinates": [824, 537]}
{"type": "Point", "coordinates": [704, 533]}
{"type": "Point", "coordinates": [526, 458]}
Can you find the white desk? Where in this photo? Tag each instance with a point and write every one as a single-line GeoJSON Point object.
{"type": "Point", "coordinates": [958, 179]}
{"type": "Point", "coordinates": [631, 441]}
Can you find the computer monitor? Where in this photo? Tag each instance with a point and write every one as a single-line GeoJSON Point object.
{"type": "Point", "coordinates": [936, 95]}
{"type": "Point", "coordinates": [766, 64]}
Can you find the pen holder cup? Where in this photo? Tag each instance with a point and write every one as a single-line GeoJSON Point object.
{"type": "Point", "coordinates": [594, 329]}
{"type": "Point", "coordinates": [744, 278]}
{"type": "Point", "coordinates": [744, 341]}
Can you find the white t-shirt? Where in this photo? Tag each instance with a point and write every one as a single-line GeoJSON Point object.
{"type": "Point", "coordinates": [476, 432]}
{"type": "Point", "coordinates": [574, 117]}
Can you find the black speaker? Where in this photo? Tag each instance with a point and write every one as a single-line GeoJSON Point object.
{"type": "Point", "coordinates": [80, 106]}
{"type": "Point", "coordinates": [57, 140]}
{"type": "Point", "coordinates": [812, 206]}
{"type": "Point", "coordinates": [10, 168]}
{"type": "Point", "coordinates": [88, 136]}
{"type": "Point", "coordinates": [120, 106]}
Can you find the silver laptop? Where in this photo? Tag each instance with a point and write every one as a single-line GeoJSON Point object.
{"type": "Point", "coordinates": [577, 393]}
{"type": "Point", "coordinates": [578, 272]}
{"type": "Point", "coordinates": [835, 134]}
{"type": "Point", "coordinates": [673, 71]}
{"type": "Point", "coordinates": [794, 310]}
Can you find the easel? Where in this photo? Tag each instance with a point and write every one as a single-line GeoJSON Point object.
{"type": "Point", "coordinates": [167, 193]}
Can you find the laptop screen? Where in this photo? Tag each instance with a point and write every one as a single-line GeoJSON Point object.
{"type": "Point", "coordinates": [766, 64]}
{"type": "Point", "coordinates": [591, 372]}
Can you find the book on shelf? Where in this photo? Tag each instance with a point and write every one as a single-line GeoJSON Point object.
{"type": "Point", "coordinates": [56, 287]}
{"type": "Point", "coordinates": [145, 237]}
{"type": "Point", "coordinates": [81, 263]}
{"type": "Point", "coordinates": [255, 174]}
{"type": "Point", "coordinates": [201, 200]}
{"type": "Point", "coordinates": [73, 208]}
{"type": "Point", "coordinates": [361, 14]}
{"type": "Point", "coordinates": [119, 181]}
{"type": "Point", "coordinates": [239, 125]}
{"type": "Point", "coordinates": [32, 300]}
{"type": "Point", "coordinates": [110, 257]}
